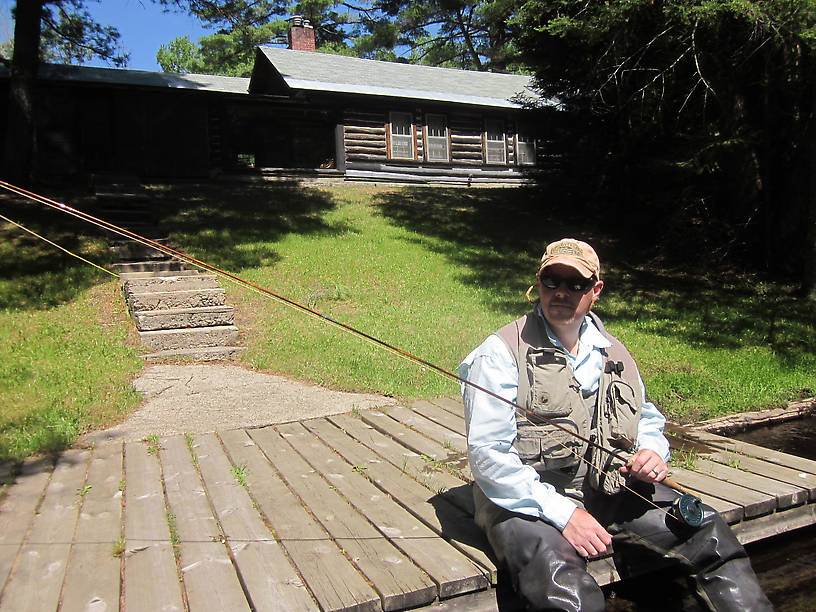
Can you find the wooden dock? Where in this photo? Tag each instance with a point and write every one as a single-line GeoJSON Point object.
{"type": "Point", "coordinates": [362, 511]}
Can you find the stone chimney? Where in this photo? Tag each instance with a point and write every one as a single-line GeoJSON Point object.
{"type": "Point", "coordinates": [301, 34]}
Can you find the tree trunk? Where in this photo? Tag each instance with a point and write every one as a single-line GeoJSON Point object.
{"type": "Point", "coordinates": [21, 133]}
{"type": "Point", "coordinates": [809, 217]}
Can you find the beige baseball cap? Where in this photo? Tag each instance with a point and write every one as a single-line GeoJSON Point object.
{"type": "Point", "coordinates": [573, 253]}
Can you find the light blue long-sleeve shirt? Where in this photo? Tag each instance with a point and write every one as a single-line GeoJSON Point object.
{"type": "Point", "coordinates": [491, 424]}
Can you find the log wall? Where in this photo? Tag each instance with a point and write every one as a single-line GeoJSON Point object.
{"type": "Point", "coordinates": [366, 138]}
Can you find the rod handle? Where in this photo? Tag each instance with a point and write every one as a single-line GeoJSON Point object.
{"type": "Point", "coordinates": [669, 482]}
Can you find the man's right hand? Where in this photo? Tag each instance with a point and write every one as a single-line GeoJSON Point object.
{"type": "Point", "coordinates": [585, 534]}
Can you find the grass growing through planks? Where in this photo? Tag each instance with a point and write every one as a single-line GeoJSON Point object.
{"type": "Point", "coordinates": [239, 473]}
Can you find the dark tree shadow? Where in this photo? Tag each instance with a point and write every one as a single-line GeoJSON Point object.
{"type": "Point", "coordinates": [231, 225]}
{"type": "Point", "coordinates": [36, 275]}
{"type": "Point", "coordinates": [494, 236]}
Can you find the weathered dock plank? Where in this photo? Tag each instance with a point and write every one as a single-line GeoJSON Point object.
{"type": "Point", "coordinates": [786, 495]}
{"type": "Point", "coordinates": [769, 470]}
{"type": "Point", "coordinates": [331, 578]}
{"type": "Point", "coordinates": [151, 578]}
{"type": "Point", "coordinates": [399, 582]}
{"type": "Point", "coordinates": [432, 508]}
{"type": "Point", "coordinates": [441, 434]}
{"type": "Point", "coordinates": [17, 512]}
{"type": "Point", "coordinates": [427, 472]}
{"type": "Point", "coordinates": [774, 524]}
{"type": "Point", "coordinates": [94, 571]}
{"type": "Point", "coordinates": [36, 581]}
{"type": "Point", "coordinates": [454, 406]}
{"type": "Point", "coordinates": [437, 414]}
{"type": "Point", "coordinates": [209, 578]}
{"type": "Point", "coordinates": [806, 466]}
{"type": "Point", "coordinates": [452, 571]}
{"type": "Point", "coordinates": [753, 503]}
{"type": "Point", "coordinates": [270, 580]}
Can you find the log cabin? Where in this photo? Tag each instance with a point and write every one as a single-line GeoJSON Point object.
{"type": "Point", "coordinates": [301, 112]}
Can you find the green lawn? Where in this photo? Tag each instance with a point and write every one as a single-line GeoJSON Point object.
{"type": "Point", "coordinates": [64, 364]}
{"type": "Point", "coordinates": [431, 271]}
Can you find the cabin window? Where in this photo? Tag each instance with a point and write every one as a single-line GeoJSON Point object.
{"type": "Point", "coordinates": [525, 148]}
{"type": "Point", "coordinates": [402, 135]}
{"type": "Point", "coordinates": [436, 138]}
{"type": "Point", "coordinates": [495, 146]}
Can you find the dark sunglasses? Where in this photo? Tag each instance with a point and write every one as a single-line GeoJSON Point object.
{"type": "Point", "coordinates": [576, 284]}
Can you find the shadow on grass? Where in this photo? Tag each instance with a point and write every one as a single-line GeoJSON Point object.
{"type": "Point", "coordinates": [232, 226]}
{"type": "Point", "coordinates": [227, 225]}
{"type": "Point", "coordinates": [36, 275]}
{"type": "Point", "coordinates": [496, 237]}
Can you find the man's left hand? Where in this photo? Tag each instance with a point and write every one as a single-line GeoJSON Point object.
{"type": "Point", "coordinates": [646, 465]}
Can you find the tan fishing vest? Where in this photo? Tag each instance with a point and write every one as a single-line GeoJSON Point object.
{"type": "Point", "coordinates": [548, 388]}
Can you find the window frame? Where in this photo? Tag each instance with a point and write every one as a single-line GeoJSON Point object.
{"type": "Point", "coordinates": [488, 123]}
{"type": "Point", "coordinates": [525, 136]}
{"type": "Point", "coordinates": [429, 138]}
{"type": "Point", "coordinates": [401, 137]}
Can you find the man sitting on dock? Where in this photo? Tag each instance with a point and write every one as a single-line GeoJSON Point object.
{"type": "Point", "coordinates": [548, 499]}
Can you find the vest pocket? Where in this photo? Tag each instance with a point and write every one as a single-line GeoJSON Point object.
{"type": "Point", "coordinates": [547, 371]}
{"type": "Point", "coordinates": [549, 445]}
{"type": "Point", "coordinates": [622, 412]}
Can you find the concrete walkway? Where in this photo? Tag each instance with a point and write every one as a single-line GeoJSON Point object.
{"type": "Point", "coordinates": [201, 398]}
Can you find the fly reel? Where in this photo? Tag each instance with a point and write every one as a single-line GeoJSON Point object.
{"type": "Point", "coordinates": [688, 509]}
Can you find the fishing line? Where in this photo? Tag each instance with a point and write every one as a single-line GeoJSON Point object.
{"type": "Point", "coordinates": [524, 412]}
{"type": "Point", "coordinates": [72, 254]}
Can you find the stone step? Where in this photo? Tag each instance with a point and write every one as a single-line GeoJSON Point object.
{"type": "Point", "coordinates": [172, 283]}
{"type": "Point", "coordinates": [128, 276]}
{"type": "Point", "coordinates": [172, 265]}
{"type": "Point", "coordinates": [197, 337]}
{"type": "Point", "coordinates": [184, 318]}
{"type": "Point", "coordinates": [213, 353]}
{"type": "Point", "coordinates": [140, 252]}
{"type": "Point", "coordinates": [167, 300]}
{"type": "Point", "coordinates": [144, 230]}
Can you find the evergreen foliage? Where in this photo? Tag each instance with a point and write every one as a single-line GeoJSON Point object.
{"type": "Point", "coordinates": [695, 118]}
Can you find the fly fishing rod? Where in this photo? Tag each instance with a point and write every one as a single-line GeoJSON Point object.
{"type": "Point", "coordinates": [687, 509]}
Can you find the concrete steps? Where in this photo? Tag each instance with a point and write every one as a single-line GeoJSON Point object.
{"type": "Point", "coordinates": [178, 313]}
{"type": "Point", "coordinates": [182, 316]}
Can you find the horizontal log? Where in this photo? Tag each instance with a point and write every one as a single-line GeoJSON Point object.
{"type": "Point", "coordinates": [466, 135]}
{"type": "Point", "coordinates": [362, 123]}
{"type": "Point", "coordinates": [466, 147]}
{"type": "Point", "coordinates": [365, 129]}
{"type": "Point", "coordinates": [364, 137]}
{"type": "Point", "coordinates": [466, 138]}
{"type": "Point", "coordinates": [366, 149]}
{"type": "Point", "coordinates": [468, 162]}
{"type": "Point", "coordinates": [362, 156]}
{"type": "Point", "coordinates": [457, 156]}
